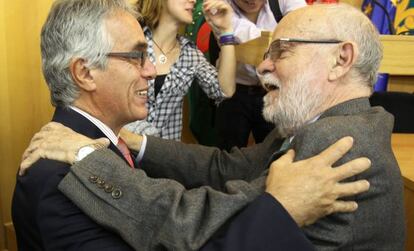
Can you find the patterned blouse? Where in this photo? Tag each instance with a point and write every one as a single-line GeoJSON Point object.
{"type": "Point", "coordinates": [165, 112]}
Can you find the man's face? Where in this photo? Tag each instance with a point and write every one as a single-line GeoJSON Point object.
{"type": "Point", "coordinates": [295, 76]}
{"type": "Point", "coordinates": [250, 6]}
{"type": "Point", "coordinates": [121, 88]}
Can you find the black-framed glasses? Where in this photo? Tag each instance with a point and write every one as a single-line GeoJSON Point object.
{"type": "Point", "coordinates": [278, 46]}
{"type": "Point", "coordinates": [137, 58]}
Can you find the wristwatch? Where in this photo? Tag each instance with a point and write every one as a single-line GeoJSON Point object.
{"type": "Point", "coordinates": [85, 151]}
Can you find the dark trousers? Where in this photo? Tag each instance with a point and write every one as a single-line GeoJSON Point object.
{"type": "Point", "coordinates": [238, 116]}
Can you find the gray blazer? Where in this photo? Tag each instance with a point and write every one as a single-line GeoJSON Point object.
{"type": "Point", "coordinates": [191, 222]}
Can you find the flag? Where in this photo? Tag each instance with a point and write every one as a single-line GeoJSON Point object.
{"type": "Point", "coordinates": [382, 14]}
{"type": "Point", "coordinates": [201, 108]}
{"type": "Point", "coordinates": [404, 17]}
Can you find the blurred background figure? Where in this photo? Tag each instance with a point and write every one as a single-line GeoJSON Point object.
{"type": "Point", "coordinates": [179, 62]}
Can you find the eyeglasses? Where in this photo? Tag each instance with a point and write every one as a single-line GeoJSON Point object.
{"type": "Point", "coordinates": [136, 58]}
{"type": "Point", "coordinates": [278, 46]}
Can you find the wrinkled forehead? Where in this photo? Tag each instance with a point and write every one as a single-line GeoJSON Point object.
{"type": "Point", "coordinates": [305, 23]}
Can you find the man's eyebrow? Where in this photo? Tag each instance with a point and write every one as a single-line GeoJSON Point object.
{"type": "Point", "coordinates": [140, 46]}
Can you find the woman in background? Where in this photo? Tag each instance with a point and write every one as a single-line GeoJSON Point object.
{"type": "Point", "coordinates": [178, 62]}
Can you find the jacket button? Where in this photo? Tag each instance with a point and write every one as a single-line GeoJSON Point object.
{"type": "Point", "coordinates": [116, 193]}
{"type": "Point", "coordinates": [100, 183]}
{"type": "Point", "coordinates": [109, 188]}
{"type": "Point", "coordinates": [93, 179]}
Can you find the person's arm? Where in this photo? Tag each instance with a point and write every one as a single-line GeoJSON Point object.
{"type": "Point", "coordinates": [162, 212]}
{"type": "Point", "coordinates": [196, 165]}
{"type": "Point", "coordinates": [207, 165]}
{"type": "Point", "coordinates": [62, 225]}
{"type": "Point", "coordinates": [218, 83]}
{"type": "Point", "coordinates": [305, 204]}
{"type": "Point", "coordinates": [264, 225]}
{"type": "Point", "coordinates": [146, 212]}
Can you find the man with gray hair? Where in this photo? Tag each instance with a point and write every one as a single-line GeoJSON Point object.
{"type": "Point", "coordinates": [94, 62]}
{"type": "Point", "coordinates": [319, 72]}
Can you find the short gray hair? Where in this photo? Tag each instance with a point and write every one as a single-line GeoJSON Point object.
{"type": "Point", "coordinates": [75, 29]}
{"type": "Point", "coordinates": [349, 23]}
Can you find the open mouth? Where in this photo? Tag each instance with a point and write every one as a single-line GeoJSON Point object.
{"type": "Point", "coordinates": [270, 87]}
{"type": "Point", "coordinates": [142, 93]}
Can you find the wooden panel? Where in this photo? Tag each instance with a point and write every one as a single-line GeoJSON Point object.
{"type": "Point", "coordinates": [409, 214]}
{"type": "Point", "coordinates": [403, 147]}
{"type": "Point", "coordinates": [401, 84]}
{"type": "Point", "coordinates": [398, 55]}
{"type": "Point", "coordinates": [24, 98]}
{"type": "Point", "coordinates": [252, 51]}
{"type": "Point", "coordinates": [10, 237]}
{"type": "Point", "coordinates": [5, 113]}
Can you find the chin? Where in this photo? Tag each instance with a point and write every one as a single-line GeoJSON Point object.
{"type": "Point", "coordinates": [187, 20]}
{"type": "Point", "coordinates": [140, 115]}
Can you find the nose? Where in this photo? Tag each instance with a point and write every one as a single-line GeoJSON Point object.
{"type": "Point", "coordinates": [266, 66]}
{"type": "Point", "coordinates": [148, 71]}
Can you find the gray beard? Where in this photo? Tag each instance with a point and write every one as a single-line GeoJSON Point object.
{"type": "Point", "coordinates": [295, 106]}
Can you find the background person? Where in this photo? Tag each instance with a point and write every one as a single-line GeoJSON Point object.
{"type": "Point", "coordinates": [179, 62]}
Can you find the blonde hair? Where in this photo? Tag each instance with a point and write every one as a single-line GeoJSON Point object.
{"type": "Point", "coordinates": [150, 11]}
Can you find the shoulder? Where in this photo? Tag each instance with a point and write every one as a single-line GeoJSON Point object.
{"type": "Point", "coordinates": [44, 173]}
{"type": "Point", "coordinates": [368, 128]}
{"type": "Point", "coordinates": [188, 46]}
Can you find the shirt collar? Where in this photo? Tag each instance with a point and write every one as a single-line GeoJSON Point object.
{"type": "Point", "coordinates": [104, 128]}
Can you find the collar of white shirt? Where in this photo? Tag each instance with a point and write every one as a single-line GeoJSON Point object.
{"type": "Point", "coordinates": [104, 128]}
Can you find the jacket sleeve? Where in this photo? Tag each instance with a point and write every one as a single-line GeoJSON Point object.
{"type": "Point", "coordinates": [263, 225]}
{"type": "Point", "coordinates": [197, 165]}
{"type": "Point", "coordinates": [148, 213]}
{"type": "Point", "coordinates": [63, 226]}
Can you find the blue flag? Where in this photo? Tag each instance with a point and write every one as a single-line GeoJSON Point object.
{"type": "Point", "coordinates": [382, 15]}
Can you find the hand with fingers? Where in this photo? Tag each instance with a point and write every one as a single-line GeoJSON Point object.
{"type": "Point", "coordinates": [218, 15]}
{"type": "Point", "coordinates": [310, 189]}
{"type": "Point", "coordinates": [57, 142]}
{"type": "Point", "coordinates": [133, 140]}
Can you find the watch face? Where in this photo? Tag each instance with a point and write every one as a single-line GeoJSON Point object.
{"type": "Point", "coordinates": [83, 152]}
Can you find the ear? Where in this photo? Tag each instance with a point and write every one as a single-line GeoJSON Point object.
{"type": "Point", "coordinates": [344, 58]}
{"type": "Point", "coordinates": [81, 74]}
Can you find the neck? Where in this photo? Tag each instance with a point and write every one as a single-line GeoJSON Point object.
{"type": "Point", "coordinates": [166, 32]}
{"type": "Point", "coordinates": [94, 110]}
{"type": "Point", "coordinates": [252, 16]}
{"type": "Point", "coordinates": [344, 92]}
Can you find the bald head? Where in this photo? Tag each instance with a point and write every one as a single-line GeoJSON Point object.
{"type": "Point", "coordinates": [341, 22]}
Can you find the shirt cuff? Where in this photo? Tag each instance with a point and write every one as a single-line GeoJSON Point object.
{"type": "Point", "coordinates": [142, 149]}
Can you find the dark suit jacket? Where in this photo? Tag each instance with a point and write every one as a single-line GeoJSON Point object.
{"type": "Point", "coordinates": [44, 218]}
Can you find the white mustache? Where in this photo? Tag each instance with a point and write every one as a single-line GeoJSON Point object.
{"type": "Point", "coordinates": [267, 80]}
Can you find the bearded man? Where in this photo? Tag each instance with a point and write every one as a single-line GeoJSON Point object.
{"type": "Point", "coordinates": [319, 72]}
{"type": "Point", "coordinates": [325, 96]}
